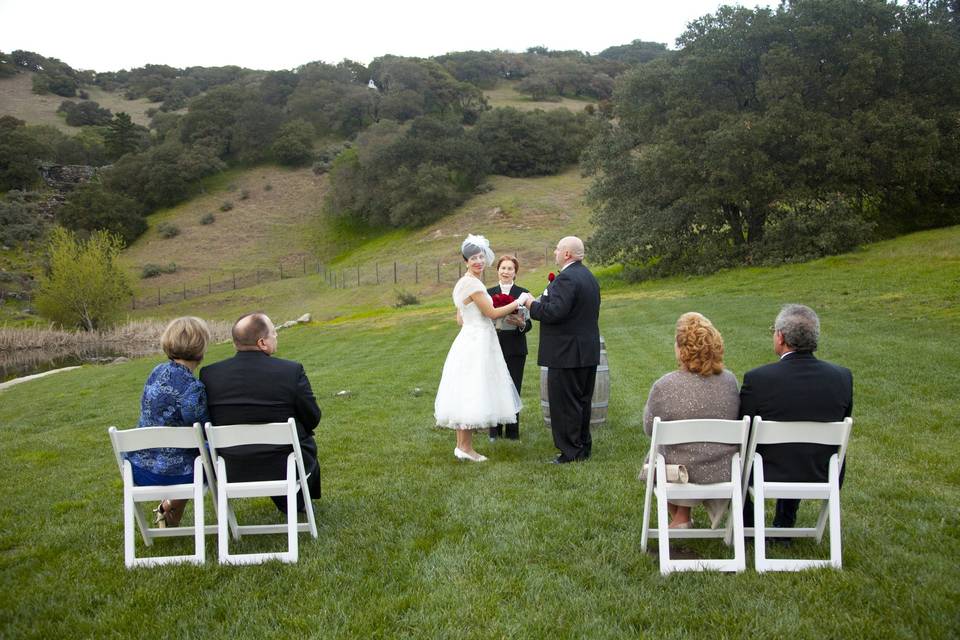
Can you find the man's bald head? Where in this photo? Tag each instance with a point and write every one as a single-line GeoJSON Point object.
{"type": "Point", "coordinates": [250, 329]}
{"type": "Point", "coordinates": [568, 250]}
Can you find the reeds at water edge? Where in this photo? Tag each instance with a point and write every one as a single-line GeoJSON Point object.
{"type": "Point", "coordinates": [136, 338]}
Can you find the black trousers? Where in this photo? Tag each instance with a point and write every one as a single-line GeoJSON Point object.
{"type": "Point", "coordinates": [515, 366]}
{"type": "Point", "coordinates": [570, 392]}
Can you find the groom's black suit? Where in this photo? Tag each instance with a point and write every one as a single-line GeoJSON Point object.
{"type": "Point", "coordinates": [569, 312]}
{"type": "Point", "coordinates": [254, 388]}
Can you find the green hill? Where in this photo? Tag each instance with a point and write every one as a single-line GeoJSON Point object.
{"type": "Point", "coordinates": [17, 99]}
{"type": "Point", "coordinates": [414, 544]}
{"type": "Point", "coordinates": [287, 225]}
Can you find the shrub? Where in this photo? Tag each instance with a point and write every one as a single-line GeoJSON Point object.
{"type": "Point", "coordinates": [405, 298]}
{"type": "Point", "coordinates": [19, 220]}
{"type": "Point", "coordinates": [84, 285]}
{"type": "Point", "coordinates": [91, 206]}
{"type": "Point", "coordinates": [268, 187]}
{"type": "Point", "coordinates": [151, 270]}
{"type": "Point", "coordinates": [245, 194]}
{"type": "Point", "coordinates": [226, 206]}
{"type": "Point", "coordinates": [208, 218]}
{"type": "Point", "coordinates": [168, 230]}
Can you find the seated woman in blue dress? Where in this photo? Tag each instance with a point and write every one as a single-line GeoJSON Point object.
{"type": "Point", "coordinates": [172, 397]}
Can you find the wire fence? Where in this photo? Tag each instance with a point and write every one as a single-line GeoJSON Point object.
{"type": "Point", "coordinates": [381, 273]}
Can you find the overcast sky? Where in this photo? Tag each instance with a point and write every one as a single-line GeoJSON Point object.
{"type": "Point", "coordinates": [107, 35]}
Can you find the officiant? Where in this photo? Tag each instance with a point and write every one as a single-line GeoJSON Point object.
{"type": "Point", "coordinates": [512, 334]}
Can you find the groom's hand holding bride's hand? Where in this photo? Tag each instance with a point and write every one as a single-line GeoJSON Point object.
{"type": "Point", "coordinates": [525, 299]}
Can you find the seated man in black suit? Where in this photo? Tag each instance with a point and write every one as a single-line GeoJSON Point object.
{"type": "Point", "coordinates": [254, 388]}
{"type": "Point", "coordinates": [796, 388]}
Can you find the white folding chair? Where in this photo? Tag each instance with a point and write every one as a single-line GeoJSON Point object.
{"type": "Point", "coordinates": [769, 432]}
{"type": "Point", "coordinates": [680, 432]}
{"type": "Point", "coordinates": [152, 438]}
{"type": "Point", "coordinates": [276, 433]}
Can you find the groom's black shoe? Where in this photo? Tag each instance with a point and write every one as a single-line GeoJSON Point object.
{"type": "Point", "coordinates": [559, 460]}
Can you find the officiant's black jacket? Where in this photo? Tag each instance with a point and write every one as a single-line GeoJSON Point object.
{"type": "Point", "coordinates": [568, 315]}
{"type": "Point", "coordinates": [512, 343]}
{"type": "Point", "coordinates": [799, 387]}
{"type": "Point", "coordinates": [254, 388]}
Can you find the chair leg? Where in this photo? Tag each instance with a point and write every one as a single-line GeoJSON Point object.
{"type": "Point", "coordinates": [759, 517]}
{"type": "Point", "coordinates": [292, 540]}
{"type": "Point", "coordinates": [648, 494]}
{"type": "Point", "coordinates": [200, 547]}
{"type": "Point", "coordinates": [129, 508]}
{"type": "Point", "coordinates": [836, 556]}
{"type": "Point", "coordinates": [223, 536]}
{"type": "Point", "coordinates": [736, 516]}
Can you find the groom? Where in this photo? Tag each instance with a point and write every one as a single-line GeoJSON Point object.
{"type": "Point", "coordinates": [570, 349]}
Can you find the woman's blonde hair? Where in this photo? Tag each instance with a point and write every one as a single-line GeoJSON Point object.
{"type": "Point", "coordinates": [699, 345]}
{"type": "Point", "coordinates": [185, 339]}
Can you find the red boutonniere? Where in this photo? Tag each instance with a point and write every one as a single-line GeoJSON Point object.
{"type": "Point", "coordinates": [502, 299]}
{"type": "Point", "coordinates": [551, 276]}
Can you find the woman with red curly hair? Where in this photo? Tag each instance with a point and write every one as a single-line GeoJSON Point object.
{"type": "Point", "coordinates": [700, 388]}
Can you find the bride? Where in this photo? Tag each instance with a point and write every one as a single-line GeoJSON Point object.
{"type": "Point", "coordinates": [476, 391]}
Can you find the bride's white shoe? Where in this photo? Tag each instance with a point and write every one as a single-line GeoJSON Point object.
{"type": "Point", "coordinates": [463, 455]}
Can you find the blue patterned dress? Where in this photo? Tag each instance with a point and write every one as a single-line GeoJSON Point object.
{"type": "Point", "coordinates": [172, 397]}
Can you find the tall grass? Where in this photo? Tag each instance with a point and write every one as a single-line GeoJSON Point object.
{"type": "Point", "coordinates": [414, 545]}
{"type": "Point", "coordinates": [134, 338]}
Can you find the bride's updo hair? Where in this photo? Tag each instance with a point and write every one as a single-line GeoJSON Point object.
{"type": "Point", "coordinates": [473, 245]}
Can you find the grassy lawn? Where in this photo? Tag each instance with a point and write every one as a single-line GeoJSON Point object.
{"type": "Point", "coordinates": [413, 544]}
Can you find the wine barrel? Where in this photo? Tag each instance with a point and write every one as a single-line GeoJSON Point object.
{"type": "Point", "coordinates": [601, 391]}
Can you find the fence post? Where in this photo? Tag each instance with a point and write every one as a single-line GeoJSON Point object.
{"type": "Point", "coordinates": [133, 302]}
{"type": "Point", "coordinates": [378, 274]}
{"type": "Point", "coordinates": [416, 272]}
{"type": "Point", "coordinates": [209, 283]}
{"type": "Point", "coordinates": [184, 291]}
{"type": "Point", "coordinates": [304, 265]}
{"type": "Point", "coordinates": [459, 271]}
{"type": "Point", "coordinates": [358, 274]}
{"type": "Point", "coordinates": [394, 272]}
{"type": "Point", "coordinates": [546, 259]}
{"type": "Point", "coordinates": [438, 273]}
{"type": "Point", "coordinates": [258, 276]}
{"type": "Point", "coordinates": [234, 273]}
{"type": "Point", "coordinates": [281, 271]}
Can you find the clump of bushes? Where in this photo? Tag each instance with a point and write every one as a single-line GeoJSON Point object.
{"type": "Point", "coordinates": [151, 270]}
{"type": "Point", "coordinates": [226, 206]}
{"type": "Point", "coordinates": [268, 187]}
{"type": "Point", "coordinates": [244, 194]}
{"type": "Point", "coordinates": [405, 298]}
{"type": "Point", "coordinates": [208, 218]}
{"type": "Point", "coordinates": [168, 230]}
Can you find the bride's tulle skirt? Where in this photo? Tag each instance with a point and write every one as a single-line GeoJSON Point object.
{"type": "Point", "coordinates": [476, 390]}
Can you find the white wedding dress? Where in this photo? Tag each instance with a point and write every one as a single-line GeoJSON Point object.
{"type": "Point", "coordinates": [476, 390]}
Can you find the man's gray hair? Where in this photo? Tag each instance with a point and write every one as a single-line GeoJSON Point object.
{"type": "Point", "coordinates": [799, 326]}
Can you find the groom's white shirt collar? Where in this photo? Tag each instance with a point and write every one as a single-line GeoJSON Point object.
{"type": "Point", "coordinates": [568, 264]}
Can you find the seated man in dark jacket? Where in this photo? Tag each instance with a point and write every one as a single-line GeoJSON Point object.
{"type": "Point", "coordinates": [253, 387]}
{"type": "Point", "coordinates": [798, 387]}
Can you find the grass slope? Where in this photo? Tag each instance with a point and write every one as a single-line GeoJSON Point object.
{"type": "Point", "coordinates": [17, 99]}
{"type": "Point", "coordinates": [413, 544]}
{"type": "Point", "coordinates": [287, 224]}
{"type": "Point", "coordinates": [274, 214]}
{"type": "Point", "coordinates": [506, 95]}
